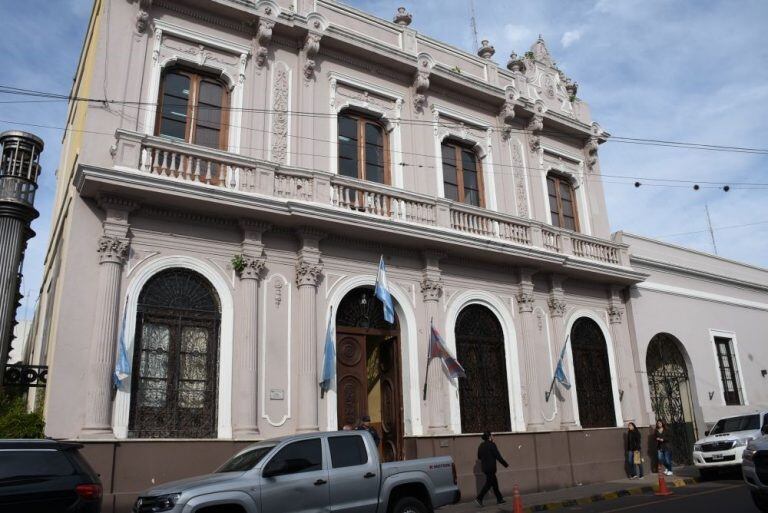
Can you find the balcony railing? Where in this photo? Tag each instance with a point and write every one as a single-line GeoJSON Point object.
{"type": "Point", "coordinates": [183, 162]}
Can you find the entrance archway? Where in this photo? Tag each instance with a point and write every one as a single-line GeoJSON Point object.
{"type": "Point", "coordinates": [592, 373]}
{"type": "Point", "coordinates": [483, 395]}
{"type": "Point", "coordinates": [369, 369]}
{"type": "Point", "coordinates": [670, 392]}
{"type": "Point", "coordinates": [174, 391]}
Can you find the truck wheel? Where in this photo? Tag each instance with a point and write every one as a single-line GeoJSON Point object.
{"type": "Point", "coordinates": [761, 500]}
{"type": "Point", "coordinates": [409, 505]}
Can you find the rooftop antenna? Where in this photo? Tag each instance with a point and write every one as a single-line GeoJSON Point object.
{"type": "Point", "coordinates": [711, 231]}
{"type": "Point", "coordinates": [473, 24]}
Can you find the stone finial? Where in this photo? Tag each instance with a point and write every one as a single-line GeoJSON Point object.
{"type": "Point", "coordinates": [515, 64]}
{"type": "Point", "coordinates": [486, 51]}
{"type": "Point", "coordinates": [403, 17]}
{"type": "Point", "coordinates": [572, 88]}
{"type": "Point", "coordinates": [541, 53]}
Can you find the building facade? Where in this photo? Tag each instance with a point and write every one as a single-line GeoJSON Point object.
{"type": "Point", "coordinates": [234, 199]}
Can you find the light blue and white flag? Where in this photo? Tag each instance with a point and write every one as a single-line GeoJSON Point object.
{"type": "Point", "coordinates": [329, 359]}
{"type": "Point", "coordinates": [122, 364]}
{"type": "Point", "coordinates": [560, 372]}
{"type": "Point", "coordinates": [382, 292]}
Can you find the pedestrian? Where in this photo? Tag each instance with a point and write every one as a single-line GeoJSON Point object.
{"type": "Point", "coordinates": [634, 454]}
{"type": "Point", "coordinates": [348, 427]}
{"type": "Point", "coordinates": [365, 425]}
{"type": "Point", "coordinates": [662, 447]}
{"type": "Point", "coordinates": [488, 454]}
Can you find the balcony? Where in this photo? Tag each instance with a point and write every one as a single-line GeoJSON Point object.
{"type": "Point", "coordinates": [240, 183]}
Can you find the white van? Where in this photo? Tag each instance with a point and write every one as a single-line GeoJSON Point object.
{"type": "Point", "coordinates": [724, 444]}
{"type": "Point", "coordinates": [755, 470]}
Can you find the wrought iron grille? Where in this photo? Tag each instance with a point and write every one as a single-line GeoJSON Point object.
{"type": "Point", "coordinates": [483, 394]}
{"type": "Point", "coordinates": [670, 394]}
{"type": "Point", "coordinates": [592, 374]}
{"type": "Point", "coordinates": [177, 345]}
{"type": "Point", "coordinates": [361, 309]}
{"type": "Point", "coordinates": [19, 375]}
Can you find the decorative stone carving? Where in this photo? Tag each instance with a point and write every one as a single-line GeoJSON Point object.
{"type": "Point", "coordinates": [525, 302]}
{"type": "Point", "coordinates": [253, 268]}
{"type": "Point", "coordinates": [263, 37]}
{"type": "Point", "coordinates": [540, 320]}
{"type": "Point", "coordinates": [280, 86]}
{"type": "Point", "coordinates": [518, 169]}
{"type": "Point", "coordinates": [310, 49]}
{"type": "Point", "coordinates": [541, 53]}
{"type": "Point", "coordinates": [486, 51]}
{"type": "Point", "coordinates": [308, 273]}
{"type": "Point", "coordinates": [431, 289]}
{"type": "Point", "coordinates": [403, 17]}
{"type": "Point", "coordinates": [172, 48]}
{"type": "Point", "coordinates": [507, 113]}
{"type": "Point", "coordinates": [113, 249]}
{"type": "Point", "coordinates": [421, 81]}
{"type": "Point", "coordinates": [556, 306]}
{"type": "Point", "coordinates": [142, 17]}
{"type": "Point", "coordinates": [515, 64]}
{"type": "Point", "coordinates": [571, 88]}
{"type": "Point", "coordinates": [535, 126]}
{"type": "Point", "coordinates": [615, 314]}
{"type": "Point", "coordinates": [278, 293]}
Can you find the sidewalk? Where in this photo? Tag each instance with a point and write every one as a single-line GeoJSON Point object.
{"type": "Point", "coordinates": [551, 500]}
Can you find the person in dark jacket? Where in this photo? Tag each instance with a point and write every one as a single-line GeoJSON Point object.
{"type": "Point", "coordinates": [365, 425]}
{"type": "Point", "coordinates": [662, 447]}
{"type": "Point", "coordinates": [634, 446]}
{"type": "Point", "coordinates": [488, 454]}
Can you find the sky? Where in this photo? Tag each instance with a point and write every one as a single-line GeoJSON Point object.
{"type": "Point", "coordinates": [670, 70]}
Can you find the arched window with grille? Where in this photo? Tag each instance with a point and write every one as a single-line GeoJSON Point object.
{"type": "Point", "coordinates": [562, 201]}
{"type": "Point", "coordinates": [363, 147]}
{"type": "Point", "coordinates": [483, 394]}
{"type": "Point", "coordinates": [592, 373]}
{"type": "Point", "coordinates": [462, 174]}
{"type": "Point", "coordinates": [193, 108]}
{"type": "Point", "coordinates": [175, 362]}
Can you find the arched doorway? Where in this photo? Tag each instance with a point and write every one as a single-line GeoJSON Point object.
{"type": "Point", "coordinates": [670, 392]}
{"type": "Point", "coordinates": [592, 373]}
{"type": "Point", "coordinates": [483, 394]}
{"type": "Point", "coordinates": [368, 369]}
{"type": "Point", "coordinates": [175, 363]}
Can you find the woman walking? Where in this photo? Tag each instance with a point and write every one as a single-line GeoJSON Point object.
{"type": "Point", "coordinates": [662, 447]}
{"type": "Point", "coordinates": [634, 454]}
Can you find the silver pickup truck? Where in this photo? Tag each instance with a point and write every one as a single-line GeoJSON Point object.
{"type": "Point", "coordinates": [318, 472]}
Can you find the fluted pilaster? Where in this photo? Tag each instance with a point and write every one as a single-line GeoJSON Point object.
{"type": "Point", "coordinates": [533, 394]}
{"type": "Point", "coordinates": [557, 308]}
{"type": "Point", "coordinates": [437, 395]}
{"type": "Point", "coordinates": [630, 408]}
{"type": "Point", "coordinates": [307, 277]}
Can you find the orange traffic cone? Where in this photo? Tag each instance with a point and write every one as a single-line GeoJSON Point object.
{"type": "Point", "coordinates": [517, 501]}
{"type": "Point", "coordinates": [663, 490]}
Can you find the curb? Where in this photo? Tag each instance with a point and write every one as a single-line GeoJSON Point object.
{"type": "Point", "coordinates": [606, 496]}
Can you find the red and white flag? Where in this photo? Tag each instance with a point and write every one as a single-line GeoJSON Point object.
{"type": "Point", "coordinates": [437, 350]}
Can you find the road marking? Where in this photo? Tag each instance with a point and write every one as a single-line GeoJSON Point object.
{"type": "Point", "coordinates": [677, 498]}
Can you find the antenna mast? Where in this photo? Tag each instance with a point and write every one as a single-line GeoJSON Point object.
{"type": "Point", "coordinates": [473, 24]}
{"type": "Point", "coordinates": [711, 232]}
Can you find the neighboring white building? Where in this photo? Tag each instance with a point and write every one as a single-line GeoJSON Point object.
{"type": "Point", "coordinates": [21, 334]}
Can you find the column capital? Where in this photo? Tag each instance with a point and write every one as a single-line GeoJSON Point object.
{"type": "Point", "coordinates": [253, 267]}
{"type": "Point", "coordinates": [556, 306]}
{"type": "Point", "coordinates": [308, 273]}
{"type": "Point", "coordinates": [615, 314]}
{"type": "Point", "coordinates": [113, 250]}
{"type": "Point", "coordinates": [431, 289]}
{"type": "Point", "coordinates": [525, 302]}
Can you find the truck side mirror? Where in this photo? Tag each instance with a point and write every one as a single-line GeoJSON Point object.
{"type": "Point", "coordinates": [764, 430]}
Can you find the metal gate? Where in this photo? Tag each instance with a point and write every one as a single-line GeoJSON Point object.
{"type": "Point", "coordinates": [670, 394]}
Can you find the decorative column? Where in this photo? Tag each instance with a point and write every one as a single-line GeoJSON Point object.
{"type": "Point", "coordinates": [437, 398]}
{"type": "Point", "coordinates": [246, 350]}
{"type": "Point", "coordinates": [308, 274]}
{"type": "Point", "coordinates": [623, 356]}
{"type": "Point", "coordinates": [557, 307]}
{"type": "Point", "coordinates": [533, 394]}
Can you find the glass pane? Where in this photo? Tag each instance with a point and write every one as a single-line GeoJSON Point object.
{"type": "Point", "coordinates": [555, 219]}
{"type": "Point", "coordinates": [551, 186]}
{"type": "Point", "coordinates": [15, 463]}
{"type": "Point", "coordinates": [193, 370]}
{"type": "Point", "coordinates": [303, 456]}
{"type": "Point", "coordinates": [347, 451]}
{"type": "Point", "coordinates": [174, 105]}
{"type": "Point", "coordinates": [348, 158]}
{"type": "Point", "coordinates": [567, 208]}
{"type": "Point", "coordinates": [209, 115]}
{"type": "Point", "coordinates": [451, 192]}
{"type": "Point", "coordinates": [449, 154]}
{"type": "Point", "coordinates": [472, 197]}
{"type": "Point", "coordinates": [470, 179]}
{"type": "Point", "coordinates": [374, 153]}
{"type": "Point", "coordinates": [565, 191]}
{"type": "Point", "coordinates": [449, 174]}
{"type": "Point", "coordinates": [208, 137]}
{"type": "Point", "coordinates": [173, 128]}
{"type": "Point", "coordinates": [154, 350]}
{"type": "Point", "coordinates": [347, 128]}
{"type": "Point", "coordinates": [468, 161]}
{"type": "Point", "coordinates": [176, 85]}
{"type": "Point", "coordinates": [374, 173]}
{"type": "Point", "coordinates": [211, 93]}
{"type": "Point", "coordinates": [569, 223]}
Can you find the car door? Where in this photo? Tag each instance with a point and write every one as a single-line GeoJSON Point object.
{"type": "Point", "coordinates": [354, 474]}
{"type": "Point", "coordinates": [295, 479]}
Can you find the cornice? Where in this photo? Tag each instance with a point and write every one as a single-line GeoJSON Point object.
{"type": "Point", "coordinates": [205, 16]}
{"type": "Point", "coordinates": [695, 273]}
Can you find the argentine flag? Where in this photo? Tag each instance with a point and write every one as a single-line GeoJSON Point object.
{"type": "Point", "coordinates": [329, 359]}
{"type": "Point", "coordinates": [382, 292]}
{"type": "Point", "coordinates": [122, 365]}
{"type": "Point", "coordinates": [559, 372]}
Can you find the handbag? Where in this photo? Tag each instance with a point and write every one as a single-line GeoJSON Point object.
{"type": "Point", "coordinates": [637, 458]}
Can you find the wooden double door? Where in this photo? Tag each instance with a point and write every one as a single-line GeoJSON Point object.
{"type": "Point", "coordinates": [368, 383]}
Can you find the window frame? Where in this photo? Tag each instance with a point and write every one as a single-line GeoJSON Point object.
{"type": "Point", "coordinates": [735, 397]}
{"type": "Point", "coordinates": [196, 77]}
{"type": "Point", "coordinates": [458, 147]}
{"type": "Point", "coordinates": [562, 178]}
{"type": "Point", "coordinates": [359, 439]}
{"type": "Point", "coordinates": [361, 120]}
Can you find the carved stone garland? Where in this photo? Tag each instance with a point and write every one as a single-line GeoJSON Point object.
{"type": "Point", "coordinates": [521, 194]}
{"type": "Point", "coordinates": [280, 116]}
{"type": "Point", "coordinates": [263, 37]}
{"type": "Point", "coordinates": [142, 17]}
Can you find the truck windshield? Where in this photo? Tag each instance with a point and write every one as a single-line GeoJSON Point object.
{"type": "Point", "coordinates": [744, 423]}
{"type": "Point", "coordinates": [246, 459]}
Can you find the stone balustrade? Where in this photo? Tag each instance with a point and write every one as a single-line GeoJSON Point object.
{"type": "Point", "coordinates": [207, 167]}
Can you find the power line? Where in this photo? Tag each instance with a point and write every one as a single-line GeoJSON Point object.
{"type": "Point", "coordinates": [717, 228]}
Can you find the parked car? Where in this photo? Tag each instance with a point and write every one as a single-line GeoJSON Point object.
{"type": "Point", "coordinates": [46, 476]}
{"type": "Point", "coordinates": [724, 444]}
{"type": "Point", "coordinates": [755, 469]}
{"type": "Point", "coordinates": [311, 472]}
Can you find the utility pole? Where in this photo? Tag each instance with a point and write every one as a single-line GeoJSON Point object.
{"type": "Point", "coordinates": [473, 24]}
{"type": "Point", "coordinates": [711, 231]}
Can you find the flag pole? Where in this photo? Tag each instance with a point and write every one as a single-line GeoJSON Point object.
{"type": "Point", "coordinates": [426, 373]}
{"type": "Point", "coordinates": [548, 394]}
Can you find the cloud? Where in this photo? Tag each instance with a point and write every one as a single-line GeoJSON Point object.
{"type": "Point", "coordinates": [570, 37]}
{"type": "Point", "coordinates": [519, 35]}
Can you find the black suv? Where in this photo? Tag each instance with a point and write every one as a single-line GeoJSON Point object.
{"type": "Point", "coordinates": [46, 476]}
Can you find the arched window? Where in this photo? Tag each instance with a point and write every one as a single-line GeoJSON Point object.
{"type": "Point", "coordinates": [592, 370]}
{"type": "Point", "coordinates": [192, 108]}
{"type": "Point", "coordinates": [363, 148]}
{"type": "Point", "coordinates": [562, 202]}
{"type": "Point", "coordinates": [483, 394]}
{"type": "Point", "coordinates": [175, 363]}
{"type": "Point", "coordinates": [462, 174]}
